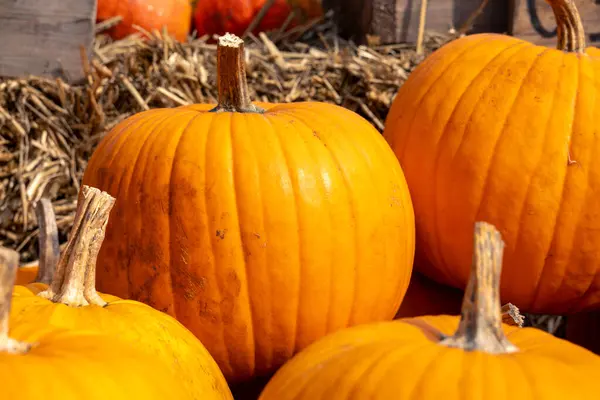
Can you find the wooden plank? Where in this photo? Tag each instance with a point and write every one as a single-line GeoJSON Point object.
{"type": "Point", "coordinates": [533, 21]}
{"type": "Point", "coordinates": [43, 37]}
{"type": "Point", "coordinates": [397, 21]}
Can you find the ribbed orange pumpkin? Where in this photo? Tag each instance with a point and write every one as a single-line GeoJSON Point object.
{"type": "Point", "coordinates": [474, 356]}
{"type": "Point", "coordinates": [175, 15]}
{"type": "Point", "coordinates": [260, 227]}
{"type": "Point", "coordinates": [492, 127]}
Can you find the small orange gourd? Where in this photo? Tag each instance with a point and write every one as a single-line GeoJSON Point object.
{"type": "Point", "coordinates": [261, 227]}
{"type": "Point", "coordinates": [474, 356]}
{"type": "Point", "coordinates": [71, 302]}
{"type": "Point", "coordinates": [491, 127]}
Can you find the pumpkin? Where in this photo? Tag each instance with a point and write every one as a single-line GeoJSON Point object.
{"type": "Point", "coordinates": [583, 329]}
{"type": "Point", "coordinates": [43, 270]}
{"type": "Point", "coordinates": [473, 356]}
{"type": "Point", "coordinates": [261, 227]}
{"type": "Point", "coordinates": [41, 361]}
{"type": "Point", "coordinates": [219, 17]}
{"type": "Point", "coordinates": [491, 127]}
{"type": "Point", "coordinates": [174, 15]}
{"type": "Point", "coordinates": [71, 302]}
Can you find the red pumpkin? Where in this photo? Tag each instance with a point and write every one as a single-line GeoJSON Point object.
{"type": "Point", "coordinates": [175, 15]}
{"type": "Point", "coordinates": [219, 17]}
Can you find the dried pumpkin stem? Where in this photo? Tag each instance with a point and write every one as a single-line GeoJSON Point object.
{"type": "Point", "coordinates": [74, 282]}
{"type": "Point", "coordinates": [48, 241]}
{"type": "Point", "coordinates": [480, 325]}
{"type": "Point", "coordinates": [231, 77]}
{"type": "Point", "coordinates": [569, 29]}
{"type": "Point", "coordinates": [9, 262]}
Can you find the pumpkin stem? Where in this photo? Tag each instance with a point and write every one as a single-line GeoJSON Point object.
{"type": "Point", "coordinates": [74, 282]}
{"type": "Point", "coordinates": [48, 241]}
{"type": "Point", "coordinates": [569, 29]}
{"type": "Point", "coordinates": [480, 325]}
{"type": "Point", "coordinates": [9, 261]}
{"type": "Point", "coordinates": [231, 77]}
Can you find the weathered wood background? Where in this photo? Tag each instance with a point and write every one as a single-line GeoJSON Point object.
{"type": "Point", "coordinates": [43, 37]}
{"type": "Point", "coordinates": [534, 21]}
{"type": "Point", "coordinates": [398, 20]}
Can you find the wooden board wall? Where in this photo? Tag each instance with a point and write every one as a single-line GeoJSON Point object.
{"type": "Point", "coordinates": [534, 21]}
{"type": "Point", "coordinates": [43, 37]}
{"type": "Point", "coordinates": [397, 21]}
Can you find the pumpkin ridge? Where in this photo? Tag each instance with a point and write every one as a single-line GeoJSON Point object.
{"type": "Point", "coordinates": [169, 223]}
{"type": "Point", "coordinates": [323, 192]}
{"type": "Point", "coordinates": [418, 102]}
{"type": "Point", "coordinates": [112, 140]}
{"type": "Point", "coordinates": [436, 350]}
{"type": "Point", "coordinates": [424, 69]}
{"type": "Point", "coordinates": [315, 116]}
{"type": "Point", "coordinates": [126, 190]}
{"type": "Point", "coordinates": [212, 131]}
{"type": "Point", "coordinates": [535, 172]}
{"type": "Point", "coordinates": [235, 193]}
{"type": "Point", "coordinates": [114, 184]}
{"type": "Point", "coordinates": [585, 197]}
{"type": "Point", "coordinates": [444, 131]}
{"type": "Point", "coordinates": [294, 186]}
{"type": "Point", "coordinates": [494, 152]}
{"type": "Point", "coordinates": [354, 218]}
{"type": "Point", "coordinates": [359, 151]}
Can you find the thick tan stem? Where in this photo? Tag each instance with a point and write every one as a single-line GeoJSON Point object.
{"type": "Point", "coordinates": [480, 325]}
{"type": "Point", "coordinates": [48, 241]}
{"type": "Point", "coordinates": [75, 277]}
{"type": "Point", "coordinates": [569, 29]}
{"type": "Point", "coordinates": [231, 77]}
{"type": "Point", "coordinates": [9, 262]}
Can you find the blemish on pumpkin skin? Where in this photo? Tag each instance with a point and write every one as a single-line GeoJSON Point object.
{"type": "Point", "coordinates": [221, 233]}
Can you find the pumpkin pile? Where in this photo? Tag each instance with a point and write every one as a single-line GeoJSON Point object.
{"type": "Point", "coordinates": [205, 17]}
{"type": "Point", "coordinates": [295, 244]}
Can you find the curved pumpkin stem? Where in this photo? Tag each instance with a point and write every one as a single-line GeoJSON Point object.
{"type": "Point", "coordinates": [9, 262]}
{"type": "Point", "coordinates": [231, 77]}
{"type": "Point", "coordinates": [480, 325]}
{"type": "Point", "coordinates": [569, 29]}
{"type": "Point", "coordinates": [48, 241]}
{"type": "Point", "coordinates": [74, 282]}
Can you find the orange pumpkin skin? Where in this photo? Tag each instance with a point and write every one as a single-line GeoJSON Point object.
{"type": "Point", "coordinates": [176, 15]}
{"type": "Point", "coordinates": [26, 274]}
{"type": "Point", "coordinates": [219, 17]}
{"type": "Point", "coordinates": [483, 130]}
{"type": "Point", "coordinates": [402, 360]}
{"type": "Point", "coordinates": [259, 232]}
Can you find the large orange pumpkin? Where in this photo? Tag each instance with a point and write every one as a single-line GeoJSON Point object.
{"type": "Point", "coordinates": [474, 356]}
{"type": "Point", "coordinates": [219, 17]}
{"type": "Point", "coordinates": [261, 227]}
{"type": "Point", "coordinates": [493, 127]}
{"type": "Point", "coordinates": [175, 15]}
